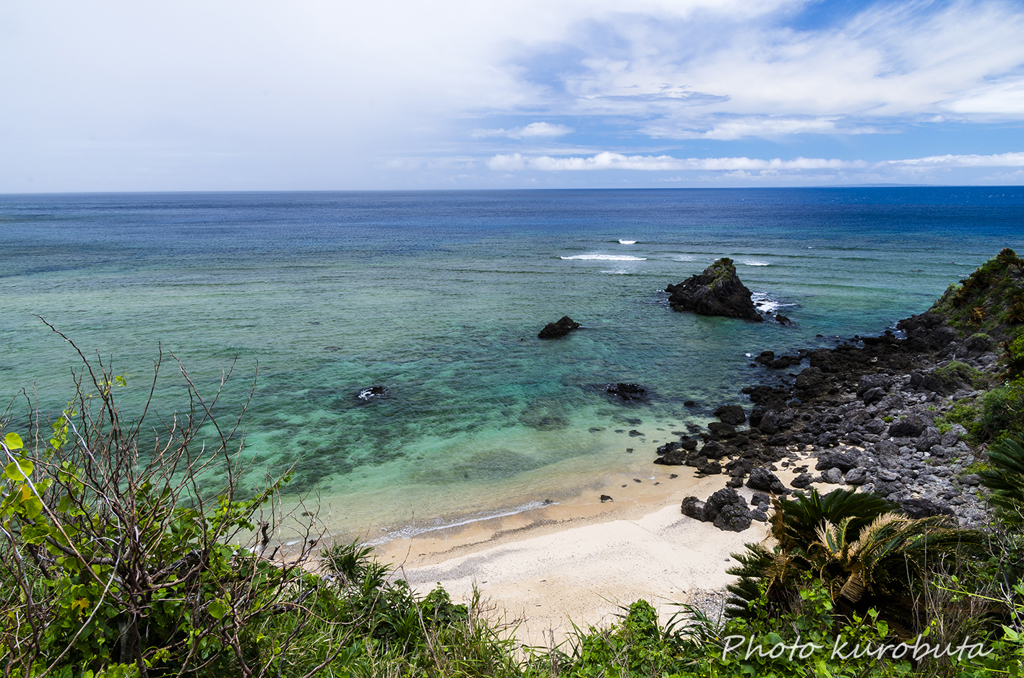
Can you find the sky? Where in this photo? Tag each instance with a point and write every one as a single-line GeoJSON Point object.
{"type": "Point", "coordinates": [114, 95]}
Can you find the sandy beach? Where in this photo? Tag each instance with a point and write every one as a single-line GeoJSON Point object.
{"type": "Point", "coordinates": [581, 562]}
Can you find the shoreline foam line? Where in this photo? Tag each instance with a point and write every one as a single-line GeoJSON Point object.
{"type": "Point", "coordinates": [410, 531]}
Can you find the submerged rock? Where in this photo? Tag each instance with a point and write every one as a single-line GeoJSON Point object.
{"type": "Point", "coordinates": [716, 291]}
{"type": "Point", "coordinates": [626, 391]}
{"type": "Point", "coordinates": [558, 329]}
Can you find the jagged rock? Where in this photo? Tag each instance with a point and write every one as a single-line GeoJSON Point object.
{"type": "Point", "coordinates": [558, 329]}
{"type": "Point", "coordinates": [626, 391]}
{"type": "Point", "coordinates": [810, 381]}
{"type": "Point", "coordinates": [733, 518]}
{"type": "Point", "coordinates": [802, 480]}
{"type": "Point", "coordinates": [910, 427]}
{"type": "Point", "coordinates": [731, 414]}
{"type": "Point", "coordinates": [716, 291]}
{"type": "Point", "coordinates": [873, 395]}
{"type": "Point", "coordinates": [605, 497]}
{"type": "Point", "coordinates": [759, 499]}
{"type": "Point", "coordinates": [924, 508]}
{"type": "Point", "coordinates": [844, 461]}
{"type": "Point", "coordinates": [873, 381]}
{"type": "Point", "coordinates": [833, 476]}
{"type": "Point", "coordinates": [713, 449]}
{"type": "Point", "coordinates": [929, 438]}
{"type": "Point", "coordinates": [721, 429]}
{"type": "Point", "coordinates": [874, 426]}
{"type": "Point", "coordinates": [710, 468]}
{"type": "Point", "coordinates": [856, 476]}
{"type": "Point", "coordinates": [694, 508]}
{"type": "Point", "coordinates": [976, 344]}
{"type": "Point", "coordinates": [766, 481]}
{"type": "Point", "coordinates": [774, 420]}
{"type": "Point", "coordinates": [951, 437]}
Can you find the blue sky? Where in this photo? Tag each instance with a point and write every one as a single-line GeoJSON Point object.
{"type": "Point", "coordinates": [463, 94]}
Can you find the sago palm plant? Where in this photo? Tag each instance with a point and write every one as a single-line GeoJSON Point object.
{"type": "Point", "coordinates": [865, 554]}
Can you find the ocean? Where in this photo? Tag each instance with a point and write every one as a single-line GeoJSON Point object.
{"type": "Point", "coordinates": [438, 296]}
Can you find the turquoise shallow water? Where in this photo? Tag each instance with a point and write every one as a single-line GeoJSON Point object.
{"type": "Point", "coordinates": [439, 296]}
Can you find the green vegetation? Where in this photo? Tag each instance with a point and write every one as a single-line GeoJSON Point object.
{"type": "Point", "coordinates": [962, 372]}
{"type": "Point", "coordinates": [988, 301]}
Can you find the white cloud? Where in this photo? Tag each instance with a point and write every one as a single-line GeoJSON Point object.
{"type": "Point", "coordinates": [532, 131]}
{"type": "Point", "coordinates": [121, 95]}
{"type": "Point", "coordinates": [1000, 99]}
{"type": "Point", "coordinates": [904, 59]}
{"type": "Point", "coordinates": [740, 128]}
{"type": "Point", "coordinates": [998, 160]}
{"type": "Point", "coordinates": [618, 161]}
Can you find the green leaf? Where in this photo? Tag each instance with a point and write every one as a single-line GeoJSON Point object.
{"type": "Point", "coordinates": [18, 470]}
{"type": "Point", "coordinates": [13, 441]}
{"type": "Point", "coordinates": [217, 609]}
{"type": "Point", "coordinates": [33, 507]}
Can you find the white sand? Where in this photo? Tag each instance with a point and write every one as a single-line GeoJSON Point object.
{"type": "Point", "coordinates": [587, 574]}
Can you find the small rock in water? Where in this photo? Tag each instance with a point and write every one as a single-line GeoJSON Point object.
{"type": "Point", "coordinates": [373, 392]}
{"type": "Point", "coordinates": [558, 329]}
{"type": "Point", "coordinates": [605, 497]}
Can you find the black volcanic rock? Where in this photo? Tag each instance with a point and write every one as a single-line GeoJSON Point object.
{"type": "Point", "coordinates": [716, 291]}
{"type": "Point", "coordinates": [731, 414]}
{"type": "Point", "coordinates": [558, 329]}
{"type": "Point", "coordinates": [373, 392]}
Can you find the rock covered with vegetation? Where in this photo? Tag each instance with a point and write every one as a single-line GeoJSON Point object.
{"type": "Point", "coordinates": [716, 291]}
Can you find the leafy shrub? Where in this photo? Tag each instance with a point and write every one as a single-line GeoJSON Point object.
{"type": "Point", "coordinates": [1014, 358]}
{"type": "Point", "coordinates": [1002, 411]}
{"type": "Point", "coordinates": [958, 371]}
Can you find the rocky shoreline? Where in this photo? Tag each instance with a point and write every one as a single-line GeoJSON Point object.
{"type": "Point", "coordinates": [860, 415]}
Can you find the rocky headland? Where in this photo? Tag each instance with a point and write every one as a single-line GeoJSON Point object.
{"type": "Point", "coordinates": [872, 413]}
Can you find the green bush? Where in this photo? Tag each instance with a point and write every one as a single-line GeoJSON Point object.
{"type": "Point", "coordinates": [955, 370]}
{"type": "Point", "coordinates": [1014, 358]}
{"type": "Point", "coordinates": [1002, 412]}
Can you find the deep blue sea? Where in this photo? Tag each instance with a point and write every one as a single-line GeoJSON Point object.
{"type": "Point", "coordinates": [439, 296]}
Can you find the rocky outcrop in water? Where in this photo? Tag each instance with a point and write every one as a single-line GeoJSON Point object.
{"type": "Point", "coordinates": [558, 329]}
{"type": "Point", "coordinates": [716, 291]}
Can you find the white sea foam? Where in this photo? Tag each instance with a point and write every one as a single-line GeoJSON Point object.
{"type": "Point", "coordinates": [752, 262]}
{"type": "Point", "coordinates": [684, 257]}
{"type": "Point", "coordinates": [417, 530]}
{"type": "Point", "coordinates": [766, 304]}
{"type": "Point", "coordinates": [604, 257]}
{"type": "Point", "coordinates": [627, 242]}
